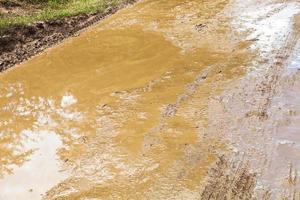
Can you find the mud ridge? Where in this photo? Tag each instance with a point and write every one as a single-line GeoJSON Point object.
{"type": "Point", "coordinates": [19, 43]}
{"type": "Point", "coordinates": [229, 180]}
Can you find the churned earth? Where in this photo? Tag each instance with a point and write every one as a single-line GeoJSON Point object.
{"type": "Point", "coordinates": [166, 99]}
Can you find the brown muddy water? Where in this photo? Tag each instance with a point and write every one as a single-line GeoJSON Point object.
{"type": "Point", "coordinates": [142, 105]}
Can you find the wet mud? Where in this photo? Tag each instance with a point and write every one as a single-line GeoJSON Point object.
{"type": "Point", "coordinates": [18, 43]}
{"type": "Point", "coordinates": [167, 99]}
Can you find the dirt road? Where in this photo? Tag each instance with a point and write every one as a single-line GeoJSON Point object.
{"type": "Point", "coordinates": [167, 99]}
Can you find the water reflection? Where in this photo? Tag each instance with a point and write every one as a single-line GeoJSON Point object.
{"type": "Point", "coordinates": [123, 108]}
{"type": "Point", "coordinates": [40, 171]}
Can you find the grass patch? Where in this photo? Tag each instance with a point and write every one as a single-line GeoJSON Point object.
{"type": "Point", "coordinates": [55, 9]}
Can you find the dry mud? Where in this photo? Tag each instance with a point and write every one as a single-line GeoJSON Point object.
{"type": "Point", "coordinates": [166, 99]}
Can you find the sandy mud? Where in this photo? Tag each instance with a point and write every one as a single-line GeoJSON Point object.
{"type": "Point", "coordinates": [166, 99]}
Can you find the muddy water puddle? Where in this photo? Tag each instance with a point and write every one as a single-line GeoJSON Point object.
{"type": "Point", "coordinates": [120, 112]}
{"type": "Point", "coordinates": [29, 180]}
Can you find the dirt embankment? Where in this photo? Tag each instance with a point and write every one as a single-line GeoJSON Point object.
{"type": "Point", "coordinates": [20, 42]}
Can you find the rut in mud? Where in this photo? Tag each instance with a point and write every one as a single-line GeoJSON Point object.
{"type": "Point", "coordinates": [166, 99]}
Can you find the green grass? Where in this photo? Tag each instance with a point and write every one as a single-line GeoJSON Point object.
{"type": "Point", "coordinates": [55, 9]}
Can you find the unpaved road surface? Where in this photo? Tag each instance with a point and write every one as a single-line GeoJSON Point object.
{"type": "Point", "coordinates": [20, 42]}
{"type": "Point", "coordinates": [167, 99]}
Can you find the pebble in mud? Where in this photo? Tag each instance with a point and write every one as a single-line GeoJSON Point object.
{"type": "Point", "coordinates": [199, 27]}
{"type": "Point", "coordinates": [169, 110]}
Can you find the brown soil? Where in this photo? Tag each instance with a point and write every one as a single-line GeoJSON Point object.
{"type": "Point", "coordinates": [20, 42]}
